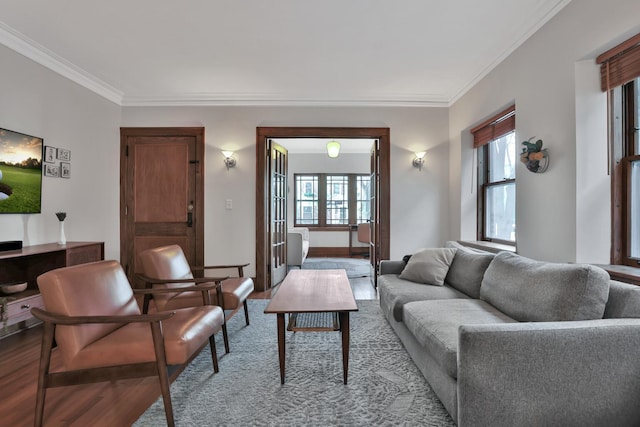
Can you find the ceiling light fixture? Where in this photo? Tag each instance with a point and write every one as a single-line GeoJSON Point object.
{"type": "Point", "coordinates": [333, 149]}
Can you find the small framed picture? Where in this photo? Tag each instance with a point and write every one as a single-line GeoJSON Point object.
{"type": "Point", "coordinates": [64, 155]}
{"type": "Point", "coordinates": [65, 170]}
{"type": "Point", "coordinates": [49, 154]}
{"type": "Point", "coordinates": [51, 170]}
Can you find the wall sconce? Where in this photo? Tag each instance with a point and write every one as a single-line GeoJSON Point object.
{"type": "Point", "coordinates": [229, 161]}
{"type": "Point", "coordinates": [333, 149]}
{"type": "Point", "coordinates": [418, 161]}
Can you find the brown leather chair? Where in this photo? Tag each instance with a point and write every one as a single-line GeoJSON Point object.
{"type": "Point", "coordinates": [101, 335]}
{"type": "Point", "coordinates": [169, 263]}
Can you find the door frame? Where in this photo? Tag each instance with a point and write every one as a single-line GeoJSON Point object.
{"type": "Point", "coordinates": [262, 182]}
{"type": "Point", "coordinates": [126, 240]}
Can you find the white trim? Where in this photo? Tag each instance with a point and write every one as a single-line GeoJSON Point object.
{"type": "Point", "coordinates": [539, 22]}
{"type": "Point", "coordinates": [36, 52]}
{"type": "Point", "coordinates": [276, 100]}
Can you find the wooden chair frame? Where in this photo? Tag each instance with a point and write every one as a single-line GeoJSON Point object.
{"type": "Point", "coordinates": [240, 268]}
{"type": "Point", "coordinates": [159, 368]}
{"type": "Point", "coordinates": [198, 273]}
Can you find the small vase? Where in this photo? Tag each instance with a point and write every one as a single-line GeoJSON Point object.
{"type": "Point", "coordinates": [63, 239]}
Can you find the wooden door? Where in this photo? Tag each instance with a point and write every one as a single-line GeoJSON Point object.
{"type": "Point", "coordinates": [278, 215]}
{"type": "Point", "coordinates": [162, 191]}
{"type": "Point", "coordinates": [374, 211]}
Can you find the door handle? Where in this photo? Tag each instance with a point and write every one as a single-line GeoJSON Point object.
{"type": "Point", "coordinates": [190, 214]}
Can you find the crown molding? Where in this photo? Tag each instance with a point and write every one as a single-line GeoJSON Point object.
{"type": "Point", "coordinates": [271, 100]}
{"type": "Point", "coordinates": [23, 45]}
{"type": "Point", "coordinates": [538, 23]}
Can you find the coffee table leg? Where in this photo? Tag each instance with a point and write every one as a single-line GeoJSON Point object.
{"type": "Point", "coordinates": [281, 345]}
{"type": "Point", "coordinates": [344, 330]}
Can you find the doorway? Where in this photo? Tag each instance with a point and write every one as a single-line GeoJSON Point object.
{"type": "Point", "coordinates": [263, 188]}
{"type": "Point", "coordinates": [161, 193]}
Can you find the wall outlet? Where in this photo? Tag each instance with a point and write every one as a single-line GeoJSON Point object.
{"type": "Point", "coordinates": [229, 204]}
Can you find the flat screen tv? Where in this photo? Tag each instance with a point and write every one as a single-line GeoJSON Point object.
{"type": "Point", "coordinates": [20, 172]}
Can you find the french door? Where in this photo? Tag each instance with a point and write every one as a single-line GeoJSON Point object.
{"type": "Point", "coordinates": [278, 217]}
{"type": "Point", "coordinates": [264, 205]}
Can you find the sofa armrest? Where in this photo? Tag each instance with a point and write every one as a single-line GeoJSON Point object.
{"type": "Point", "coordinates": [549, 373]}
{"type": "Point", "coordinates": [295, 253]}
{"type": "Point", "coordinates": [391, 267]}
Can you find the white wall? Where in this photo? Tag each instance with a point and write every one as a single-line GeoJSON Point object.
{"type": "Point", "coordinates": [39, 102]}
{"type": "Point", "coordinates": [551, 78]}
{"type": "Point", "coordinates": [321, 163]}
{"type": "Point", "coordinates": [562, 214]}
{"type": "Point", "coordinates": [418, 199]}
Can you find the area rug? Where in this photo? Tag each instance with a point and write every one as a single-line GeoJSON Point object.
{"type": "Point", "coordinates": [384, 386]}
{"type": "Point", "coordinates": [354, 267]}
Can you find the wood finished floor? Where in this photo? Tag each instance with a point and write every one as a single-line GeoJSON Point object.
{"type": "Point", "coordinates": [117, 403]}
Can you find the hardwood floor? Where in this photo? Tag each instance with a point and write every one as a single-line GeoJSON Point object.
{"type": "Point", "coordinates": [117, 403]}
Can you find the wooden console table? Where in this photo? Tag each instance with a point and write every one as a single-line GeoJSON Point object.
{"type": "Point", "coordinates": [27, 264]}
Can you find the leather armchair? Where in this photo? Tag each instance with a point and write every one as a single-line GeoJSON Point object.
{"type": "Point", "coordinates": [168, 267]}
{"type": "Point", "coordinates": [91, 311]}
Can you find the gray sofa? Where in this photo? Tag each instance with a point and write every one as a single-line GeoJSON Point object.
{"type": "Point", "coordinates": [509, 341]}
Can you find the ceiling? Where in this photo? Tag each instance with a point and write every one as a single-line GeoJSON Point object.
{"type": "Point", "coordinates": [278, 52]}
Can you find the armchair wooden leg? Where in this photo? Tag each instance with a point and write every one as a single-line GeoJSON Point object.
{"type": "Point", "coordinates": [163, 375]}
{"type": "Point", "coordinates": [45, 363]}
{"type": "Point", "coordinates": [214, 354]}
{"type": "Point", "coordinates": [225, 337]}
{"type": "Point", "coordinates": [246, 312]}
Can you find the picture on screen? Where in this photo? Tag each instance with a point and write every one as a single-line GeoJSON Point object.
{"type": "Point", "coordinates": [20, 172]}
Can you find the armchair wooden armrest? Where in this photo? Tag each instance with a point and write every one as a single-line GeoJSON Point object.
{"type": "Point", "coordinates": [59, 319]}
{"type": "Point", "coordinates": [203, 285]}
{"type": "Point", "coordinates": [240, 267]}
{"type": "Point", "coordinates": [152, 281]}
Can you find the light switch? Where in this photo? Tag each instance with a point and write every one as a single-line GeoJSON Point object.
{"type": "Point", "coordinates": [229, 204]}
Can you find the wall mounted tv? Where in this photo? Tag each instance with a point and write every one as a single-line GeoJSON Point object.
{"type": "Point", "coordinates": [20, 172]}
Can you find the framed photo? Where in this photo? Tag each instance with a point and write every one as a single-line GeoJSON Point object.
{"type": "Point", "coordinates": [51, 170]}
{"type": "Point", "coordinates": [65, 170]}
{"type": "Point", "coordinates": [64, 155]}
{"type": "Point", "coordinates": [49, 154]}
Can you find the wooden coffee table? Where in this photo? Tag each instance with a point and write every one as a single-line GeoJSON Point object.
{"type": "Point", "coordinates": [314, 291]}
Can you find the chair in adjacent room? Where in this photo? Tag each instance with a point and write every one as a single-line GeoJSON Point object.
{"type": "Point", "coordinates": [92, 313]}
{"type": "Point", "coordinates": [167, 266]}
{"type": "Point", "coordinates": [364, 234]}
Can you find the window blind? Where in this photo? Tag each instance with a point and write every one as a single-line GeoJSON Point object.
{"type": "Point", "coordinates": [620, 64]}
{"type": "Point", "coordinates": [494, 127]}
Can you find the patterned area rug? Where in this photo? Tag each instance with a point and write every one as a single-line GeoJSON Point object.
{"type": "Point", "coordinates": [384, 388]}
{"type": "Point", "coordinates": [355, 267]}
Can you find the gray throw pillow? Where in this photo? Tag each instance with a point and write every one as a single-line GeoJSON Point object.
{"type": "Point", "coordinates": [624, 300]}
{"type": "Point", "coordinates": [429, 266]}
{"type": "Point", "coordinates": [467, 270]}
{"type": "Point", "coordinates": [536, 291]}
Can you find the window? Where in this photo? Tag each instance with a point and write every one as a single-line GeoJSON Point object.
{"type": "Point", "coordinates": [496, 144]}
{"type": "Point", "coordinates": [331, 200]}
{"type": "Point", "coordinates": [625, 103]}
{"type": "Point", "coordinates": [620, 79]}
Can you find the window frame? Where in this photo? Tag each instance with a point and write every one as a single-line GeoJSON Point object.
{"type": "Point", "coordinates": [624, 112]}
{"type": "Point", "coordinates": [352, 202]}
{"type": "Point", "coordinates": [492, 129]}
{"type": "Point", "coordinates": [484, 184]}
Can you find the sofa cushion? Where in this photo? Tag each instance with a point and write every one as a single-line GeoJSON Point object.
{"type": "Point", "coordinates": [529, 290]}
{"type": "Point", "coordinates": [624, 300]}
{"type": "Point", "coordinates": [434, 324]}
{"type": "Point", "coordinates": [467, 270]}
{"type": "Point", "coordinates": [429, 266]}
{"type": "Point", "coordinates": [396, 292]}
